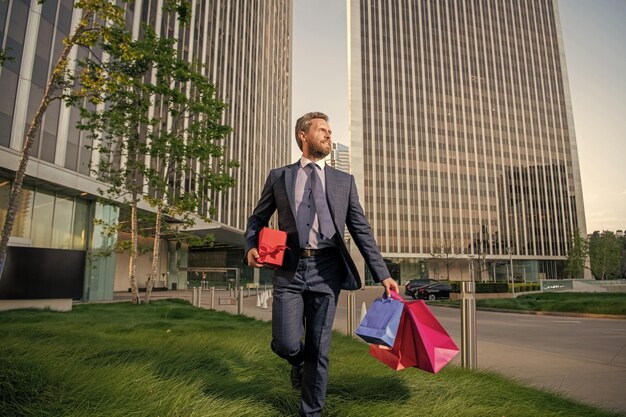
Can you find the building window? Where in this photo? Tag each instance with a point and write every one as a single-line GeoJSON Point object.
{"type": "Point", "coordinates": [47, 220]}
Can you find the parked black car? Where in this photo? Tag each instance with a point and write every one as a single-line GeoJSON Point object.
{"type": "Point", "coordinates": [433, 291]}
{"type": "Point", "coordinates": [414, 284]}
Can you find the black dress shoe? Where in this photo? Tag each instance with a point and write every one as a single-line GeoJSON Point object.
{"type": "Point", "coordinates": [296, 376]}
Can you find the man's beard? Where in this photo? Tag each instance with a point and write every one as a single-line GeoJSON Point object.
{"type": "Point", "coordinates": [319, 151]}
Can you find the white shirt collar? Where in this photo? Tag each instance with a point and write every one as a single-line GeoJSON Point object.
{"type": "Point", "coordinates": [304, 162]}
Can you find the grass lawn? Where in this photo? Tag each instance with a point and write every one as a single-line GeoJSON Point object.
{"type": "Point", "coordinates": [171, 359]}
{"type": "Point", "coordinates": [593, 303]}
{"type": "Point", "coordinates": [597, 303]}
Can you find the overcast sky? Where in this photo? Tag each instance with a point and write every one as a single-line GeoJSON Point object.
{"type": "Point", "coordinates": [594, 33]}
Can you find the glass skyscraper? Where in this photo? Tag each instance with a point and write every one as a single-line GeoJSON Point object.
{"type": "Point", "coordinates": [462, 135]}
{"type": "Point", "coordinates": [245, 46]}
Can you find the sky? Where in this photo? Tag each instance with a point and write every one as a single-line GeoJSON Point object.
{"type": "Point", "coordinates": [594, 36]}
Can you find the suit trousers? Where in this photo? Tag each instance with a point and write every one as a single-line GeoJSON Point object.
{"type": "Point", "coordinates": [306, 307]}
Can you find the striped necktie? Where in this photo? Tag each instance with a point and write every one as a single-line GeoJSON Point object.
{"type": "Point", "coordinates": [324, 219]}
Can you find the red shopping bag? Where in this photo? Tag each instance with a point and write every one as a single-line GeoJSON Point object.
{"type": "Point", "coordinates": [434, 347]}
{"type": "Point", "coordinates": [422, 342]}
{"type": "Point", "coordinates": [402, 354]}
{"type": "Point", "coordinates": [272, 247]}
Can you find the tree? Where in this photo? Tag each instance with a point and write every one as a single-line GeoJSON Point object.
{"type": "Point", "coordinates": [98, 16]}
{"type": "Point", "coordinates": [444, 254]}
{"type": "Point", "coordinates": [169, 159]}
{"type": "Point", "coordinates": [605, 255]}
{"type": "Point", "coordinates": [576, 255]}
{"type": "Point", "coordinates": [4, 57]}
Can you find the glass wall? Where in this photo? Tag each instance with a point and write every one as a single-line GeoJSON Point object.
{"type": "Point", "coordinates": [46, 219]}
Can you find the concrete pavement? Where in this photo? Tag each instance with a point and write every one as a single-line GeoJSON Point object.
{"type": "Point", "coordinates": [589, 380]}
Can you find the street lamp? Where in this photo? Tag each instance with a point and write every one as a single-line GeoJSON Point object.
{"type": "Point", "coordinates": [510, 249]}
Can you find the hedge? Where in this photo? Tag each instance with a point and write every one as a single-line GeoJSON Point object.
{"type": "Point", "coordinates": [498, 287]}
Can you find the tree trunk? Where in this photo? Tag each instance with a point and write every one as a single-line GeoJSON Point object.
{"type": "Point", "coordinates": [155, 252]}
{"type": "Point", "coordinates": [132, 263]}
{"type": "Point", "coordinates": [16, 189]}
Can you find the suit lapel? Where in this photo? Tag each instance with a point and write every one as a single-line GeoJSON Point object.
{"type": "Point", "coordinates": [290, 185]}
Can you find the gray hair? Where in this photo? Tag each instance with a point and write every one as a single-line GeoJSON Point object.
{"type": "Point", "coordinates": [304, 123]}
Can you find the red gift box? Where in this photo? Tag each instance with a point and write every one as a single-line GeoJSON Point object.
{"type": "Point", "coordinates": [272, 247]}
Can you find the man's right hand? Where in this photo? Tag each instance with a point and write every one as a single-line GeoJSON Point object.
{"type": "Point", "coordinates": [253, 254]}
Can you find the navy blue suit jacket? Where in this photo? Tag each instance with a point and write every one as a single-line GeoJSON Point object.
{"type": "Point", "coordinates": [343, 201]}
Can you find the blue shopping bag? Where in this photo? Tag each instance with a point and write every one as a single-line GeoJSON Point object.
{"type": "Point", "coordinates": [380, 324]}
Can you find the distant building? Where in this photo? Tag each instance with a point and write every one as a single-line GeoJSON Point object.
{"type": "Point", "coordinates": [339, 157]}
{"type": "Point", "coordinates": [462, 135]}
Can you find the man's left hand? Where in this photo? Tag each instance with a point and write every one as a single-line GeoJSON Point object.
{"type": "Point", "coordinates": [390, 284]}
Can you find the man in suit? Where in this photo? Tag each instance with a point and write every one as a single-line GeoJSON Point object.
{"type": "Point", "coordinates": [315, 203]}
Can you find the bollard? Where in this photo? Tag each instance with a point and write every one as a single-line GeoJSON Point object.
{"type": "Point", "coordinates": [212, 297]}
{"type": "Point", "coordinates": [194, 295]}
{"type": "Point", "coordinates": [468, 326]}
{"type": "Point", "coordinates": [199, 297]}
{"type": "Point", "coordinates": [240, 301]}
{"type": "Point", "coordinates": [351, 313]}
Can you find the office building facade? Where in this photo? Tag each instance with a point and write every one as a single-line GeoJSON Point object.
{"type": "Point", "coordinates": [462, 136]}
{"type": "Point", "coordinates": [246, 49]}
{"type": "Point", "coordinates": [339, 157]}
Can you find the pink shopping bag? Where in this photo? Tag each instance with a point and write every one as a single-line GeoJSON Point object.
{"type": "Point", "coordinates": [433, 345]}
{"type": "Point", "coordinates": [422, 342]}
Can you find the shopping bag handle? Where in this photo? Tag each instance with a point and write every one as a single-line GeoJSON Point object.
{"type": "Point", "coordinates": [394, 296]}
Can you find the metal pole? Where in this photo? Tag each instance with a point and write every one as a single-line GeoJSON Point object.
{"type": "Point", "coordinates": [212, 297]}
{"type": "Point", "coordinates": [349, 313]}
{"type": "Point", "coordinates": [509, 250]}
{"type": "Point", "coordinates": [512, 279]}
{"type": "Point", "coordinates": [240, 301]}
{"type": "Point", "coordinates": [468, 326]}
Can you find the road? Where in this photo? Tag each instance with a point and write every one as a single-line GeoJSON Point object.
{"type": "Point", "coordinates": [582, 358]}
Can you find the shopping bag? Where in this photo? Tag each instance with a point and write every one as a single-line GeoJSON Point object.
{"type": "Point", "coordinates": [380, 324]}
{"type": "Point", "coordinates": [402, 354]}
{"type": "Point", "coordinates": [272, 247]}
{"type": "Point", "coordinates": [434, 347]}
{"type": "Point", "coordinates": [421, 341]}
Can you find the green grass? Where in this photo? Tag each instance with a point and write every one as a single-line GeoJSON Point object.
{"type": "Point", "coordinates": [170, 359]}
{"type": "Point", "coordinates": [591, 303]}
{"type": "Point", "coordinates": [596, 303]}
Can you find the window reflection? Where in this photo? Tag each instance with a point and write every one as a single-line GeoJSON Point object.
{"type": "Point", "coordinates": [43, 211]}
{"type": "Point", "coordinates": [62, 223]}
{"type": "Point", "coordinates": [47, 220]}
